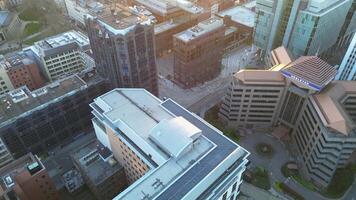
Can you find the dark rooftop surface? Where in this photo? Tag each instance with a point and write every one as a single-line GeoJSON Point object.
{"type": "Point", "coordinates": [21, 102]}
{"type": "Point", "coordinates": [200, 170]}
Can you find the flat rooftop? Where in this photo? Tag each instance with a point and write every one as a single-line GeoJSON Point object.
{"type": "Point", "coordinates": [240, 15]}
{"type": "Point", "coordinates": [260, 76]}
{"type": "Point", "coordinates": [171, 24]}
{"type": "Point", "coordinates": [201, 29]}
{"type": "Point", "coordinates": [21, 102]}
{"type": "Point", "coordinates": [329, 103]}
{"type": "Point", "coordinates": [28, 162]}
{"type": "Point", "coordinates": [167, 132]}
{"type": "Point", "coordinates": [166, 7]}
{"type": "Point", "coordinates": [89, 159]}
{"type": "Point", "coordinates": [119, 19]}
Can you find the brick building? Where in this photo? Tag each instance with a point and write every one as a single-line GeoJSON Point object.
{"type": "Point", "coordinates": [198, 52]}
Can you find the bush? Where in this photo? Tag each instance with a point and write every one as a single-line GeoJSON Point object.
{"type": "Point", "coordinates": [341, 181]}
{"type": "Point", "coordinates": [290, 192]}
{"type": "Point", "coordinates": [261, 179]}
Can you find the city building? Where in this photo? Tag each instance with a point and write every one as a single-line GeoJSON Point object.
{"type": "Point", "coordinates": [60, 55]}
{"type": "Point", "coordinates": [78, 9]}
{"type": "Point", "coordinates": [304, 27]}
{"type": "Point", "coordinates": [101, 172]}
{"type": "Point", "coordinates": [278, 56]}
{"type": "Point", "coordinates": [240, 22]}
{"type": "Point", "coordinates": [168, 9]}
{"type": "Point", "coordinates": [164, 32]}
{"type": "Point", "coordinates": [253, 99]}
{"type": "Point", "coordinates": [123, 48]}
{"type": "Point", "coordinates": [5, 82]}
{"type": "Point", "coordinates": [349, 27]}
{"type": "Point", "coordinates": [10, 25]}
{"type": "Point", "coordinates": [325, 132]}
{"type": "Point", "coordinates": [22, 70]}
{"type": "Point", "coordinates": [26, 178]}
{"type": "Point", "coordinates": [198, 52]}
{"type": "Point", "coordinates": [347, 69]}
{"type": "Point", "coordinates": [40, 120]}
{"type": "Point", "coordinates": [167, 152]}
{"type": "Point", "coordinates": [300, 99]}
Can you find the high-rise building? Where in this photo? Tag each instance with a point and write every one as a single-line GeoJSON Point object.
{"type": "Point", "coordinates": [325, 132]}
{"type": "Point", "coordinates": [60, 55]}
{"type": "Point", "coordinates": [26, 178]}
{"type": "Point", "coordinates": [5, 82]}
{"type": "Point", "coordinates": [22, 70]}
{"type": "Point", "coordinates": [123, 48]}
{"type": "Point", "coordinates": [40, 120]}
{"type": "Point", "coordinates": [198, 52]}
{"type": "Point", "coordinates": [101, 172]}
{"type": "Point", "coordinates": [347, 69]}
{"type": "Point", "coordinates": [300, 99]}
{"type": "Point", "coordinates": [167, 152]}
{"type": "Point", "coordinates": [304, 27]}
{"type": "Point", "coordinates": [349, 26]}
{"type": "Point", "coordinates": [253, 99]}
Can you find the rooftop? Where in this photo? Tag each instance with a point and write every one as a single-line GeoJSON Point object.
{"type": "Point", "coordinates": [258, 76]}
{"type": "Point", "coordinates": [281, 55]}
{"type": "Point", "coordinates": [21, 102]}
{"type": "Point", "coordinates": [170, 24]}
{"type": "Point", "coordinates": [240, 14]}
{"type": "Point", "coordinates": [310, 72]}
{"type": "Point", "coordinates": [119, 19]}
{"type": "Point", "coordinates": [5, 17]}
{"type": "Point", "coordinates": [89, 159]}
{"type": "Point", "coordinates": [166, 7]}
{"type": "Point", "coordinates": [55, 44]}
{"type": "Point", "coordinates": [184, 147]}
{"type": "Point", "coordinates": [329, 102]}
{"type": "Point", "coordinates": [28, 163]}
{"type": "Point", "coordinates": [17, 59]}
{"type": "Point", "coordinates": [201, 29]}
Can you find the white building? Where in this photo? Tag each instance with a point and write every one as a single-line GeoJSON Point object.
{"type": "Point", "coordinates": [347, 69]}
{"type": "Point", "coordinates": [61, 55]}
{"type": "Point", "coordinates": [78, 9]}
{"type": "Point", "coordinates": [5, 82]}
{"type": "Point", "coordinates": [167, 151]}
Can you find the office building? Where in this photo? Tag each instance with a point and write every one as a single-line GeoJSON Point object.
{"type": "Point", "coordinates": [304, 27]}
{"type": "Point", "coordinates": [123, 48]}
{"type": "Point", "coordinates": [347, 69]}
{"type": "Point", "coordinates": [167, 9]}
{"type": "Point", "coordinates": [5, 82]}
{"type": "Point", "coordinates": [164, 32]}
{"type": "Point", "coordinates": [40, 120]}
{"type": "Point", "coordinates": [198, 52]}
{"type": "Point", "coordinates": [22, 70]}
{"type": "Point", "coordinates": [325, 132]}
{"type": "Point", "coordinates": [349, 27]}
{"type": "Point", "coordinates": [301, 98]}
{"type": "Point", "coordinates": [167, 152]}
{"type": "Point", "coordinates": [26, 178]}
{"type": "Point", "coordinates": [78, 9]}
{"type": "Point", "coordinates": [253, 99]}
{"type": "Point", "coordinates": [9, 26]}
{"type": "Point", "coordinates": [239, 22]}
{"type": "Point", "coordinates": [101, 172]}
{"type": "Point", "coordinates": [60, 55]}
